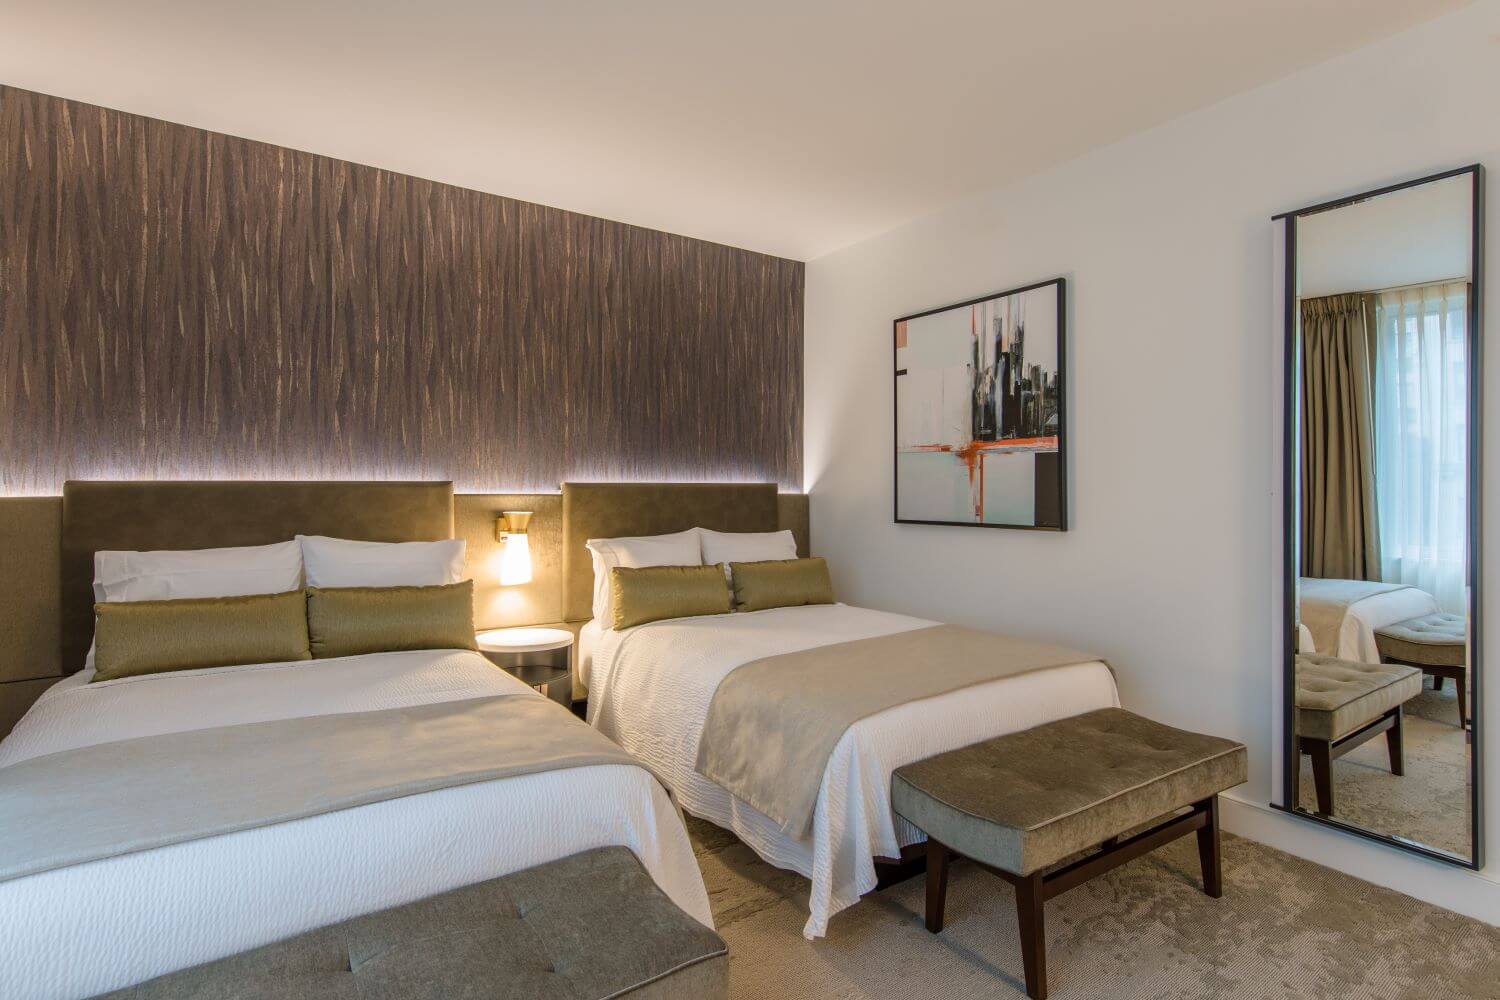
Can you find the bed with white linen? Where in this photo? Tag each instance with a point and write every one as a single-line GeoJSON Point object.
{"type": "Point", "coordinates": [1363, 616]}
{"type": "Point", "coordinates": [650, 691]}
{"type": "Point", "coordinates": [137, 910]}
{"type": "Point", "coordinates": [650, 687]}
{"type": "Point", "coordinates": [84, 929]}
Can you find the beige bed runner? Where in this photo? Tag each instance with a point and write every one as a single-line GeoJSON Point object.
{"type": "Point", "coordinates": [773, 723]}
{"type": "Point", "coordinates": [1322, 605]}
{"type": "Point", "coordinates": [98, 802]}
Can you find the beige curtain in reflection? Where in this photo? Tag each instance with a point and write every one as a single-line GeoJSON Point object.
{"type": "Point", "coordinates": [1340, 531]}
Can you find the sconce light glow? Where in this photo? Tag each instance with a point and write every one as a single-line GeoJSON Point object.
{"type": "Point", "coordinates": [515, 557]}
{"type": "Point", "coordinates": [515, 564]}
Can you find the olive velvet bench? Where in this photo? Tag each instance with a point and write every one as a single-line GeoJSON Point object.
{"type": "Point", "coordinates": [1049, 808]}
{"type": "Point", "coordinates": [1436, 644]}
{"type": "Point", "coordinates": [1342, 704]}
{"type": "Point", "coordinates": [586, 927]}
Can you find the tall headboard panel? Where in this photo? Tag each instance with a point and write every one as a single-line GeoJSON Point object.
{"type": "Point", "coordinates": [140, 516]}
{"type": "Point", "coordinates": [613, 510]}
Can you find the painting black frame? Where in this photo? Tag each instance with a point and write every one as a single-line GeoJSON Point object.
{"type": "Point", "coordinates": [1062, 407]}
{"type": "Point", "coordinates": [1291, 756]}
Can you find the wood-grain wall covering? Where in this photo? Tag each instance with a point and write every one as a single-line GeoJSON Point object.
{"type": "Point", "coordinates": [177, 303]}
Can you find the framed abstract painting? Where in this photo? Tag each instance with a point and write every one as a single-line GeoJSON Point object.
{"type": "Point", "coordinates": [981, 422]}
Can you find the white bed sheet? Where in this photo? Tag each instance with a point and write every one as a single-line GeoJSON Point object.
{"type": "Point", "coordinates": [1363, 617]}
{"type": "Point", "coordinates": [94, 927]}
{"type": "Point", "coordinates": [651, 690]}
{"type": "Point", "coordinates": [589, 638]}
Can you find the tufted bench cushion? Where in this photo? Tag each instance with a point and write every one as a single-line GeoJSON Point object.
{"type": "Point", "coordinates": [1336, 697]}
{"type": "Point", "coordinates": [1438, 639]}
{"type": "Point", "coordinates": [586, 927]}
{"type": "Point", "coordinates": [1027, 800]}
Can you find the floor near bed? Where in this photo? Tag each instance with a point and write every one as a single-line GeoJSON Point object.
{"type": "Point", "coordinates": [1285, 928]}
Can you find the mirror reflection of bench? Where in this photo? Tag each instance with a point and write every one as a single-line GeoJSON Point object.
{"type": "Point", "coordinates": [1437, 645]}
{"type": "Point", "coordinates": [1342, 704]}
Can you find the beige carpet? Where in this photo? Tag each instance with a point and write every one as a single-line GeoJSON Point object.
{"type": "Point", "coordinates": [1430, 803]}
{"type": "Point", "coordinates": [1285, 928]}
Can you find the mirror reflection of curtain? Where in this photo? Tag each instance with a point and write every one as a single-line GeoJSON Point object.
{"type": "Point", "coordinates": [1340, 538]}
{"type": "Point", "coordinates": [1421, 438]}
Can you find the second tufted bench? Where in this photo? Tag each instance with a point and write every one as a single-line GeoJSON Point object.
{"type": "Point", "coordinates": [1436, 644]}
{"type": "Point", "coordinates": [1343, 703]}
{"type": "Point", "coordinates": [1020, 805]}
{"type": "Point", "coordinates": [586, 927]}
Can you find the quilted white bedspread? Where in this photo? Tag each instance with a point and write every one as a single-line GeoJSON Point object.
{"type": "Point", "coordinates": [650, 689]}
{"type": "Point", "coordinates": [95, 927]}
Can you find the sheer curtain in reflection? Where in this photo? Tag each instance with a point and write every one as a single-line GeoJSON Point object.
{"type": "Point", "coordinates": [1421, 438]}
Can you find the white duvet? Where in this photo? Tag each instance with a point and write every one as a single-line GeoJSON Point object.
{"type": "Point", "coordinates": [650, 689]}
{"type": "Point", "coordinates": [1363, 617]}
{"type": "Point", "coordinates": [95, 927]}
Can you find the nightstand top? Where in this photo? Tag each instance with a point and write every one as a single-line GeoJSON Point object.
{"type": "Point", "coordinates": [523, 640]}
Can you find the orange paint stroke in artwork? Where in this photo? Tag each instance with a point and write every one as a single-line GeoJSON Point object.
{"type": "Point", "coordinates": [972, 455]}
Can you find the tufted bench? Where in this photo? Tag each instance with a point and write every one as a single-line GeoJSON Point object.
{"type": "Point", "coordinates": [1018, 805]}
{"type": "Point", "coordinates": [586, 927]}
{"type": "Point", "coordinates": [1436, 644]}
{"type": "Point", "coordinates": [1343, 703]}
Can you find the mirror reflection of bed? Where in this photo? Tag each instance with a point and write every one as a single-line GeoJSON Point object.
{"type": "Point", "coordinates": [1382, 717]}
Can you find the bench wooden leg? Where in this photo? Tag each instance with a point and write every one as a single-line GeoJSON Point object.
{"type": "Point", "coordinates": [1322, 768]}
{"type": "Point", "coordinates": [1393, 744]}
{"type": "Point", "coordinates": [1460, 686]}
{"type": "Point", "coordinates": [1209, 858]}
{"type": "Point", "coordinates": [937, 884]}
{"type": "Point", "coordinates": [1029, 900]}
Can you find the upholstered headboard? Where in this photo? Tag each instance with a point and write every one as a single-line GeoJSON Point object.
{"type": "Point", "coordinates": [142, 516]}
{"type": "Point", "coordinates": [613, 510]}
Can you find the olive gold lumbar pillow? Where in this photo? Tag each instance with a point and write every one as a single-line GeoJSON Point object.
{"type": "Point", "coordinates": [780, 583]}
{"type": "Point", "coordinates": [150, 637]}
{"type": "Point", "coordinates": [652, 593]}
{"type": "Point", "coordinates": [347, 621]}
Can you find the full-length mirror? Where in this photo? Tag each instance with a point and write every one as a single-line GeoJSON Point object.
{"type": "Point", "coordinates": [1382, 668]}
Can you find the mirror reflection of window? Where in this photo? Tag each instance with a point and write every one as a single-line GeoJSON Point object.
{"type": "Point", "coordinates": [1422, 438]}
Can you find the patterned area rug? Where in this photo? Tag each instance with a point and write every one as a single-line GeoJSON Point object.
{"type": "Point", "coordinates": [1286, 928]}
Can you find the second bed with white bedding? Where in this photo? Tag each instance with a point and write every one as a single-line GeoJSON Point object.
{"type": "Point", "coordinates": [651, 688]}
{"type": "Point", "coordinates": [91, 927]}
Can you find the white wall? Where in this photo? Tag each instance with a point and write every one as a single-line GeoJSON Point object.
{"type": "Point", "coordinates": [1420, 234]}
{"type": "Point", "coordinates": [1165, 238]}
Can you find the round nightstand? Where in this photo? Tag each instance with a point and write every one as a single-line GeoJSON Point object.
{"type": "Point", "coordinates": [535, 656]}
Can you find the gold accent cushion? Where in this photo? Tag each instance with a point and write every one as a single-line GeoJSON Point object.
{"type": "Point", "coordinates": [149, 637]}
{"type": "Point", "coordinates": [780, 583]}
{"type": "Point", "coordinates": [347, 621]}
{"type": "Point", "coordinates": [651, 593]}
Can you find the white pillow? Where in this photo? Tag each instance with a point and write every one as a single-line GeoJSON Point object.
{"type": "Point", "coordinates": [342, 562]}
{"type": "Point", "coordinates": [746, 546]}
{"type": "Point", "coordinates": [170, 575]}
{"type": "Point", "coordinates": [167, 575]}
{"type": "Point", "coordinates": [680, 549]}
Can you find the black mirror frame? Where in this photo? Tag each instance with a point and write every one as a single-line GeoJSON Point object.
{"type": "Point", "coordinates": [1291, 757]}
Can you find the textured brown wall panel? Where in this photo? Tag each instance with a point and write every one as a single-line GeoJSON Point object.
{"type": "Point", "coordinates": [182, 304]}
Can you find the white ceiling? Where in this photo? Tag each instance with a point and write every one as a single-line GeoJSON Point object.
{"type": "Point", "coordinates": [789, 127]}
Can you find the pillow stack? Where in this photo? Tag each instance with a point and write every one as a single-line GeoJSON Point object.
{"type": "Point", "coordinates": [701, 572]}
{"type": "Point", "coordinates": [297, 600]}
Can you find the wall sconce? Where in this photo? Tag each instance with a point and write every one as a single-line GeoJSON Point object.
{"type": "Point", "coordinates": [515, 559]}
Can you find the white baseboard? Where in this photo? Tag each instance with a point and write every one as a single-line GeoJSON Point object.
{"type": "Point", "coordinates": [1473, 894]}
